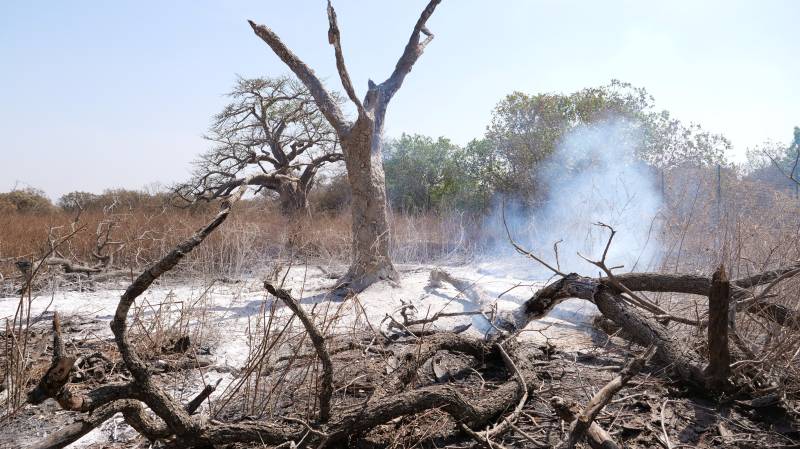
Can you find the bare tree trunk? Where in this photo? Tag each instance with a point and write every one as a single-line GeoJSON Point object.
{"type": "Point", "coordinates": [292, 198]}
{"type": "Point", "coordinates": [371, 235]}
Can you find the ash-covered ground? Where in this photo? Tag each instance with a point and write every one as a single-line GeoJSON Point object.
{"type": "Point", "coordinates": [226, 310]}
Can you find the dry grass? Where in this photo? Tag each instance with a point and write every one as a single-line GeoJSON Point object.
{"type": "Point", "coordinates": [255, 234]}
{"type": "Point", "coordinates": [751, 228]}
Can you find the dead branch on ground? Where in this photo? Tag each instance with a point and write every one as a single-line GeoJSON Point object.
{"type": "Point", "coordinates": [585, 418]}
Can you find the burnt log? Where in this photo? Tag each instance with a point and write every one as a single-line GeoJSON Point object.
{"type": "Point", "coordinates": [685, 363]}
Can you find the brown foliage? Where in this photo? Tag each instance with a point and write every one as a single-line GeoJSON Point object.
{"type": "Point", "coordinates": [254, 234]}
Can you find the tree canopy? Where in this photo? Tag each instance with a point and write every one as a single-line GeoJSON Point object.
{"type": "Point", "coordinates": [524, 135]}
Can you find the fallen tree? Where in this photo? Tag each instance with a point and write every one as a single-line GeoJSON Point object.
{"type": "Point", "coordinates": [619, 299]}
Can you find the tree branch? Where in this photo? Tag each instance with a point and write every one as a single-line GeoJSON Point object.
{"type": "Point", "coordinates": [162, 404]}
{"type": "Point", "coordinates": [324, 100]}
{"type": "Point", "coordinates": [411, 53]}
{"type": "Point", "coordinates": [603, 397]}
{"type": "Point", "coordinates": [334, 38]}
{"type": "Point", "coordinates": [326, 390]}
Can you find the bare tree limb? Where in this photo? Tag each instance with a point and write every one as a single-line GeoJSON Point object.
{"type": "Point", "coordinates": [73, 432]}
{"type": "Point", "coordinates": [58, 374]}
{"type": "Point", "coordinates": [523, 251]}
{"type": "Point", "coordinates": [645, 330]}
{"type": "Point", "coordinates": [195, 403]}
{"type": "Point", "coordinates": [326, 390]}
{"type": "Point", "coordinates": [635, 299]}
{"type": "Point", "coordinates": [411, 53]}
{"type": "Point", "coordinates": [162, 404]}
{"type": "Point", "coordinates": [581, 424]}
{"type": "Point", "coordinates": [334, 38]}
{"type": "Point", "coordinates": [324, 100]}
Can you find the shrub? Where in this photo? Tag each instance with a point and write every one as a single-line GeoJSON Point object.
{"type": "Point", "coordinates": [26, 200]}
{"type": "Point", "coordinates": [332, 195]}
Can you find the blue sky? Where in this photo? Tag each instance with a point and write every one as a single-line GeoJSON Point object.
{"type": "Point", "coordinates": [118, 94]}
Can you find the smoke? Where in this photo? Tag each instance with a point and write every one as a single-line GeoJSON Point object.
{"type": "Point", "coordinates": [593, 177]}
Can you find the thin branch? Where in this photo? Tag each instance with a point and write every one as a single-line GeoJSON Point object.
{"type": "Point", "coordinates": [636, 299]}
{"type": "Point", "coordinates": [791, 176]}
{"type": "Point", "coordinates": [326, 390]}
{"type": "Point", "coordinates": [524, 251]}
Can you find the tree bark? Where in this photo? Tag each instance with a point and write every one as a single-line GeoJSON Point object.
{"type": "Point", "coordinates": [643, 329]}
{"type": "Point", "coordinates": [371, 234]}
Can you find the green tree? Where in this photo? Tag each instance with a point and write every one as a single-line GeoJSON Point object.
{"type": "Point", "coordinates": [76, 200]}
{"type": "Point", "coordinates": [669, 143]}
{"type": "Point", "coordinates": [526, 130]}
{"type": "Point", "coordinates": [480, 170]}
{"type": "Point", "coordinates": [26, 200]}
{"type": "Point", "coordinates": [421, 173]}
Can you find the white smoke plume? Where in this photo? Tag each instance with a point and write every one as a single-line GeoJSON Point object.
{"type": "Point", "coordinates": [593, 177]}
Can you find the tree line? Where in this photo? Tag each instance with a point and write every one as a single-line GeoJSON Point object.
{"type": "Point", "coordinates": [423, 173]}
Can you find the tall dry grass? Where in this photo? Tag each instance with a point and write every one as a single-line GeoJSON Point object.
{"type": "Point", "coordinates": [749, 227]}
{"type": "Point", "coordinates": [255, 235]}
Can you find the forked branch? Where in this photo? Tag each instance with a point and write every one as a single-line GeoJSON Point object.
{"type": "Point", "coordinates": [633, 298]}
{"type": "Point", "coordinates": [527, 253]}
{"type": "Point", "coordinates": [411, 53]}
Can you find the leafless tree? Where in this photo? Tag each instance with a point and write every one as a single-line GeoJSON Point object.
{"type": "Point", "coordinates": [273, 135]}
{"type": "Point", "coordinates": [362, 142]}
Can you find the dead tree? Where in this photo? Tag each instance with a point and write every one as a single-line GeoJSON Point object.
{"type": "Point", "coordinates": [362, 142]}
{"type": "Point", "coordinates": [273, 135]}
{"type": "Point", "coordinates": [61, 255]}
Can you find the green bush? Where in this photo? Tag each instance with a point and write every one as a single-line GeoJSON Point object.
{"type": "Point", "coordinates": [28, 200]}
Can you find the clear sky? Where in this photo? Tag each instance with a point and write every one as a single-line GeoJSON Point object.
{"type": "Point", "coordinates": [118, 94]}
